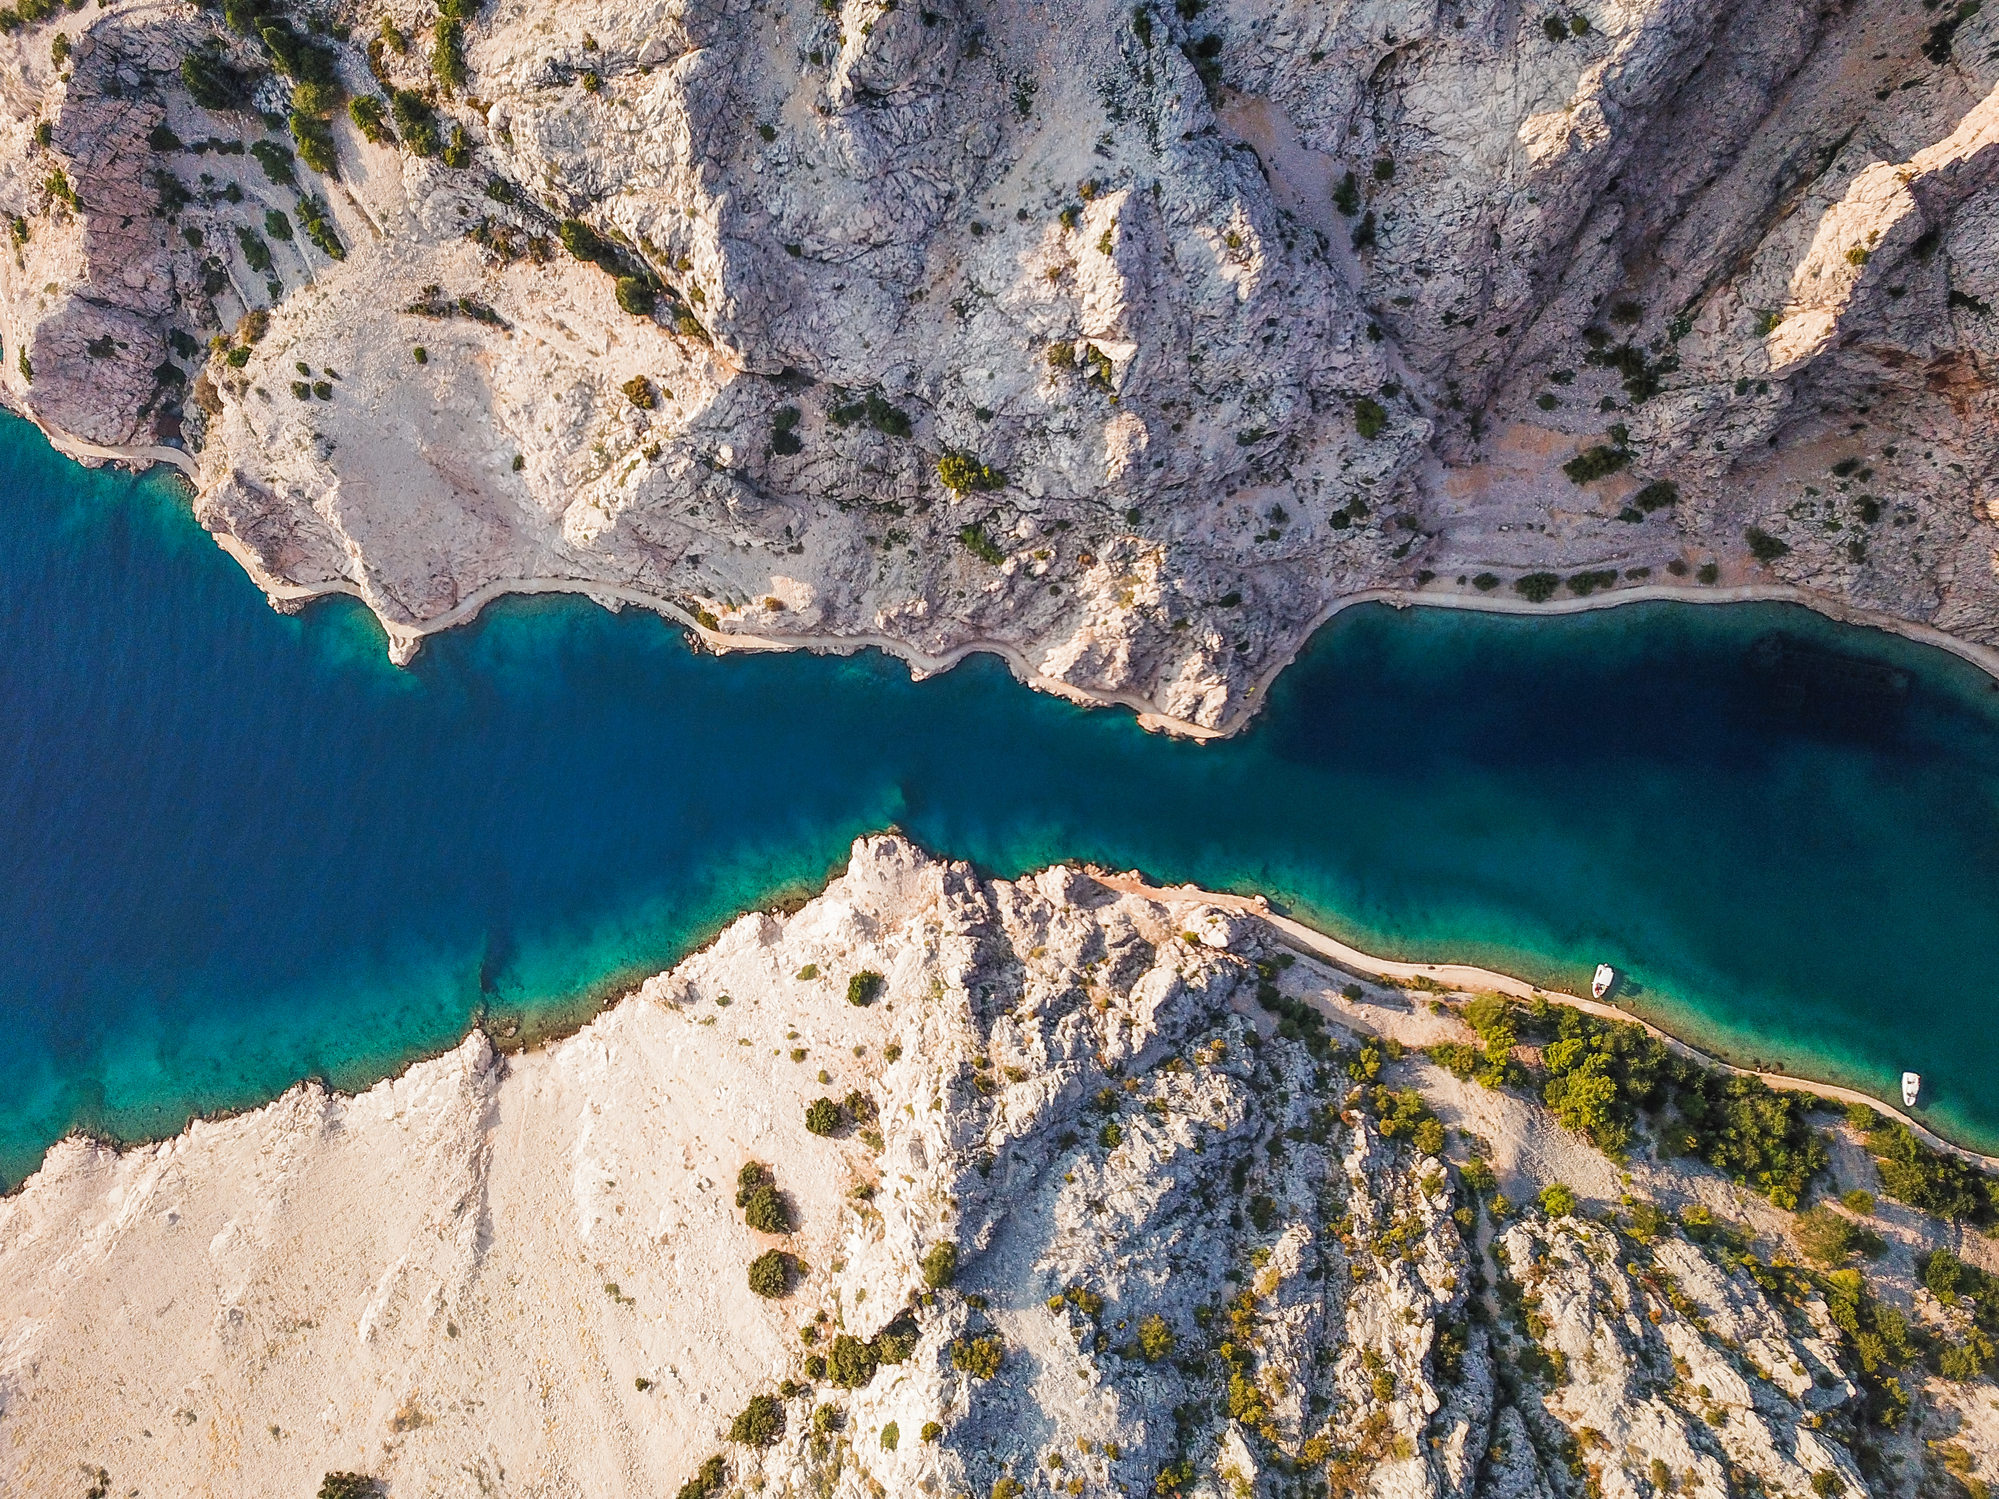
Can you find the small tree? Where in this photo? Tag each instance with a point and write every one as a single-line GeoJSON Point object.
{"type": "Point", "coordinates": [823, 1117]}
{"type": "Point", "coordinates": [1557, 1201]}
{"type": "Point", "coordinates": [865, 987]}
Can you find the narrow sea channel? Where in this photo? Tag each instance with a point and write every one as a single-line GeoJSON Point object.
{"type": "Point", "coordinates": [239, 848]}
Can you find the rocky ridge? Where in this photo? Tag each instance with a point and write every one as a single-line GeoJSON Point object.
{"type": "Point", "coordinates": [1102, 1193]}
{"type": "Point", "coordinates": [1126, 341]}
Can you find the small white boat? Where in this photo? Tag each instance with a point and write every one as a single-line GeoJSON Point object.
{"type": "Point", "coordinates": [1605, 977]}
{"type": "Point", "coordinates": [1912, 1084]}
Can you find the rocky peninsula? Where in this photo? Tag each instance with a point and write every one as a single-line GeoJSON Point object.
{"type": "Point", "coordinates": [1123, 340]}
{"type": "Point", "coordinates": [955, 1186]}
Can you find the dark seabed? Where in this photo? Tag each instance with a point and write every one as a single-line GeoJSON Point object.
{"type": "Point", "coordinates": [240, 848]}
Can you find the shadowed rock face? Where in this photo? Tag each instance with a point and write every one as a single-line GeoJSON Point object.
{"type": "Point", "coordinates": [1219, 313]}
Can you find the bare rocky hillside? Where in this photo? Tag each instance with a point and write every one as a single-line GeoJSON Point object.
{"type": "Point", "coordinates": [1125, 339]}
{"type": "Point", "coordinates": [949, 1186]}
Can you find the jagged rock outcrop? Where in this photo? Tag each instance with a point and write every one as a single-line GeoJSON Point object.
{"type": "Point", "coordinates": [1219, 312]}
{"type": "Point", "coordinates": [1190, 1256]}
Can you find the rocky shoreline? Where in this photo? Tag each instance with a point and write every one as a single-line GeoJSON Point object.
{"type": "Point", "coordinates": [1218, 1220]}
{"type": "Point", "coordinates": [1125, 347]}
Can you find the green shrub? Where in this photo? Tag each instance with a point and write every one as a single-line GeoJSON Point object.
{"type": "Point", "coordinates": [1657, 495]}
{"type": "Point", "coordinates": [1557, 1200]}
{"type": "Point", "coordinates": [276, 224]}
{"type": "Point", "coordinates": [932, 1430]}
{"type": "Point", "coordinates": [872, 410]}
{"type": "Point", "coordinates": [637, 296]}
{"type": "Point", "coordinates": [1582, 585]}
{"type": "Point", "coordinates": [1155, 1339]}
{"type": "Point", "coordinates": [1346, 197]}
{"type": "Point", "coordinates": [416, 123]}
{"type": "Point", "coordinates": [458, 148]}
{"type": "Point", "coordinates": [1537, 588]}
{"type": "Point", "coordinates": [276, 160]}
{"type": "Point", "coordinates": [979, 1357]}
{"type": "Point", "coordinates": [447, 54]}
{"type": "Point", "coordinates": [963, 474]}
{"type": "Point", "coordinates": [940, 1266]}
{"type": "Point", "coordinates": [349, 1486]}
{"type": "Point", "coordinates": [213, 83]}
{"type": "Point", "coordinates": [638, 390]}
{"type": "Point", "coordinates": [1603, 1074]}
{"type": "Point", "coordinates": [371, 120]}
{"type": "Point", "coordinates": [1929, 1180]}
{"type": "Point", "coordinates": [1708, 572]}
{"type": "Point", "coordinates": [708, 1481]}
{"type": "Point", "coordinates": [760, 1424]}
{"type": "Point", "coordinates": [1825, 1236]}
{"type": "Point", "coordinates": [770, 1274]}
{"type": "Point", "coordinates": [1595, 463]}
{"type": "Point", "coordinates": [823, 1117]}
{"type": "Point", "coordinates": [1370, 418]}
{"type": "Point", "coordinates": [1485, 582]}
{"type": "Point", "coordinates": [315, 144]}
{"type": "Point", "coordinates": [1763, 546]}
{"type": "Point", "coordinates": [865, 987]}
{"type": "Point", "coordinates": [256, 254]}
{"type": "Point", "coordinates": [976, 541]}
{"type": "Point", "coordinates": [319, 227]}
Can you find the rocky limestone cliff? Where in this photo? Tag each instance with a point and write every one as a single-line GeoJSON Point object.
{"type": "Point", "coordinates": [1191, 1257]}
{"type": "Point", "coordinates": [1125, 340]}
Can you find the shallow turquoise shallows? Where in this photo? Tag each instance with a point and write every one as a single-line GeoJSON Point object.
{"type": "Point", "coordinates": [239, 849]}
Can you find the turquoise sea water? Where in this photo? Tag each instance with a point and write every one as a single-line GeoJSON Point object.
{"type": "Point", "coordinates": [238, 848]}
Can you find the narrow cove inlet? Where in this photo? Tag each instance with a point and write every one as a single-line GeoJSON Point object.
{"type": "Point", "coordinates": [242, 848]}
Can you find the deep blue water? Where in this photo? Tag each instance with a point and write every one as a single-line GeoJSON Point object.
{"type": "Point", "coordinates": [240, 848]}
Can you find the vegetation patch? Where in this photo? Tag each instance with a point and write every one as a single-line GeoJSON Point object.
{"type": "Point", "coordinates": [763, 1206]}
{"type": "Point", "coordinates": [1598, 462]}
{"type": "Point", "coordinates": [1537, 588]}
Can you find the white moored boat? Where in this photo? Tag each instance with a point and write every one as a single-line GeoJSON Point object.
{"type": "Point", "coordinates": [1912, 1084]}
{"type": "Point", "coordinates": [1605, 977]}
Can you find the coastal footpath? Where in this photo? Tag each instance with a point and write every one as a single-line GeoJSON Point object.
{"type": "Point", "coordinates": [1123, 342]}
{"type": "Point", "coordinates": [948, 1185]}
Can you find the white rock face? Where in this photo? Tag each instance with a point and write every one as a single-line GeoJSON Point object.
{"type": "Point", "coordinates": [1193, 1265]}
{"type": "Point", "coordinates": [1229, 314]}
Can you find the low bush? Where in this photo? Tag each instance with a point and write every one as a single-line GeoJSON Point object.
{"type": "Point", "coordinates": [416, 123]}
{"type": "Point", "coordinates": [979, 1357]}
{"type": "Point", "coordinates": [872, 410]}
{"type": "Point", "coordinates": [975, 540]}
{"type": "Point", "coordinates": [638, 390]}
{"type": "Point", "coordinates": [1155, 1339]}
{"type": "Point", "coordinates": [1599, 462]}
{"type": "Point", "coordinates": [708, 1481]}
{"type": "Point", "coordinates": [276, 160]}
{"type": "Point", "coordinates": [319, 227]}
{"type": "Point", "coordinates": [770, 1274]}
{"type": "Point", "coordinates": [940, 1266]}
{"type": "Point", "coordinates": [760, 1424]}
{"type": "Point", "coordinates": [865, 987]}
{"type": "Point", "coordinates": [1763, 546]}
{"type": "Point", "coordinates": [1657, 496]}
{"type": "Point", "coordinates": [1370, 418]}
{"type": "Point", "coordinates": [1582, 585]}
{"type": "Point", "coordinates": [1537, 588]}
{"type": "Point", "coordinates": [315, 143]}
{"type": "Point", "coordinates": [823, 1117]}
{"type": "Point", "coordinates": [447, 54]}
{"type": "Point", "coordinates": [372, 120]}
{"type": "Point", "coordinates": [637, 296]}
{"type": "Point", "coordinates": [349, 1486]}
{"type": "Point", "coordinates": [963, 474]}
